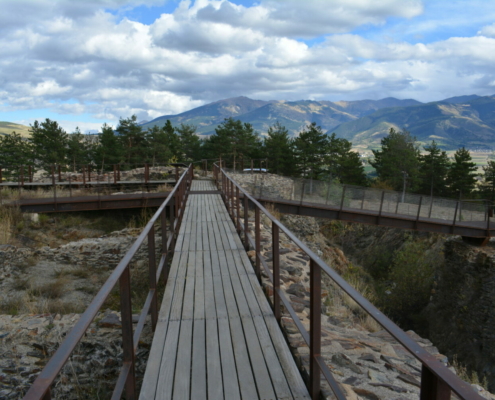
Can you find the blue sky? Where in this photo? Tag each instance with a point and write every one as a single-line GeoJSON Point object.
{"type": "Point", "coordinates": [86, 63]}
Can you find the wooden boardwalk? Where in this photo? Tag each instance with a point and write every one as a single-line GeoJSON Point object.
{"type": "Point", "coordinates": [216, 337]}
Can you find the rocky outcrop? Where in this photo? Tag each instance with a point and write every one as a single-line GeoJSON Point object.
{"type": "Point", "coordinates": [461, 312]}
{"type": "Point", "coordinates": [27, 342]}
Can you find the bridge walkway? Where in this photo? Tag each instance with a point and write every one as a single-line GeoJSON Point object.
{"type": "Point", "coordinates": [216, 336]}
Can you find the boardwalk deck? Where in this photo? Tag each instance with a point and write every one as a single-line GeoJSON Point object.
{"type": "Point", "coordinates": [216, 337]}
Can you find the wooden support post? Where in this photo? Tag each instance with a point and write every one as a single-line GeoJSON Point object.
{"type": "Point", "coordinates": [315, 329]}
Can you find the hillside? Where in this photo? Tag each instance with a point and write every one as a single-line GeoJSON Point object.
{"type": "Point", "coordinates": [6, 128]}
{"type": "Point", "coordinates": [450, 123]}
{"type": "Point", "coordinates": [294, 115]}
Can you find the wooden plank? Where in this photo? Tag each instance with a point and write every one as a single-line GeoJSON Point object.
{"type": "Point", "coordinates": [167, 367]}
{"type": "Point", "coordinates": [182, 379]}
{"type": "Point", "coordinates": [229, 370]}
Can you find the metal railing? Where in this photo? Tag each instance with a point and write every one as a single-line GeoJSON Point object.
{"type": "Point", "coordinates": [175, 203]}
{"type": "Point", "coordinates": [437, 381]}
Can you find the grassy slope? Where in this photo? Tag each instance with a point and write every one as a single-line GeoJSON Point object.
{"type": "Point", "coordinates": [6, 128]}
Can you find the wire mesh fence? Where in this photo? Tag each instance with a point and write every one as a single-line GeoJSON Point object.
{"type": "Point", "coordinates": [364, 199]}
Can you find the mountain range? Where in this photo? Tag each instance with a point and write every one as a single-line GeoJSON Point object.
{"type": "Point", "coordinates": [454, 122]}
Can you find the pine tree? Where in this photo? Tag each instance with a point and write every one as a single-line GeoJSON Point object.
{"type": "Point", "coordinates": [278, 148]}
{"type": "Point", "coordinates": [159, 149]}
{"type": "Point", "coordinates": [433, 169]}
{"type": "Point", "coordinates": [488, 185]}
{"type": "Point", "coordinates": [397, 160]}
{"type": "Point", "coordinates": [133, 139]}
{"type": "Point", "coordinates": [78, 151]}
{"type": "Point", "coordinates": [462, 174]}
{"type": "Point", "coordinates": [190, 143]}
{"type": "Point", "coordinates": [310, 148]}
{"type": "Point", "coordinates": [14, 151]}
{"type": "Point", "coordinates": [109, 150]}
{"type": "Point", "coordinates": [49, 141]}
{"type": "Point", "coordinates": [343, 163]}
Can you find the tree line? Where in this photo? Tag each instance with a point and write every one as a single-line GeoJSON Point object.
{"type": "Point", "coordinates": [313, 154]}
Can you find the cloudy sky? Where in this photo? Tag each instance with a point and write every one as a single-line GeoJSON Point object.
{"type": "Point", "coordinates": [85, 62]}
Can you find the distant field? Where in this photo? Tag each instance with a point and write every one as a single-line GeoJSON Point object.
{"type": "Point", "coordinates": [6, 128]}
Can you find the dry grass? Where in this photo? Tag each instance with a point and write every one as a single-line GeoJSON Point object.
{"type": "Point", "coordinates": [270, 207]}
{"type": "Point", "coordinates": [50, 290]}
{"type": "Point", "coordinates": [464, 374]}
{"type": "Point", "coordinates": [10, 218]}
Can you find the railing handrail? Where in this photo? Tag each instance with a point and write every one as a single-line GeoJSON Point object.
{"type": "Point", "coordinates": [461, 388]}
{"type": "Point", "coordinates": [41, 386]}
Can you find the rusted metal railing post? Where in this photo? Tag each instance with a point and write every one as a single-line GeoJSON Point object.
{"type": "Point", "coordinates": [152, 276]}
{"type": "Point", "coordinates": [54, 188]}
{"type": "Point", "coordinates": [276, 270]}
{"type": "Point", "coordinates": [315, 329]}
{"type": "Point", "coordinates": [89, 173]}
{"type": "Point", "coordinates": [146, 173]}
{"type": "Point", "coordinates": [238, 207]}
{"type": "Point", "coordinates": [232, 200]}
{"type": "Point", "coordinates": [432, 388]}
{"type": "Point", "coordinates": [419, 211]}
{"type": "Point", "coordinates": [22, 175]}
{"type": "Point", "coordinates": [381, 207]}
{"type": "Point", "coordinates": [114, 174]}
{"type": "Point", "coordinates": [455, 216]}
{"type": "Point", "coordinates": [257, 241]}
{"type": "Point", "coordinates": [127, 334]}
{"type": "Point", "coordinates": [246, 222]}
{"type": "Point", "coordinates": [59, 173]}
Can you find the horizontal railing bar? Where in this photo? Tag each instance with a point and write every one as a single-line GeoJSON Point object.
{"type": "Point", "coordinates": [461, 388]}
{"type": "Point", "coordinates": [142, 318]}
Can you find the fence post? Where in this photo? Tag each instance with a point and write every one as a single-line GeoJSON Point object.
{"type": "Point", "coordinates": [381, 207]}
{"type": "Point", "coordinates": [432, 388]}
{"type": "Point", "coordinates": [238, 201]}
{"type": "Point", "coordinates": [246, 222]}
{"type": "Point", "coordinates": [257, 240]}
{"type": "Point", "coordinates": [276, 270]}
{"type": "Point", "coordinates": [315, 328]}
{"type": "Point", "coordinates": [419, 210]}
{"type": "Point", "coordinates": [152, 275]}
{"type": "Point", "coordinates": [127, 339]}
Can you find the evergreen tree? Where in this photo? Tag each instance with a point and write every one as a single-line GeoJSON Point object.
{"type": "Point", "coordinates": [462, 174]}
{"type": "Point", "coordinates": [433, 169]}
{"type": "Point", "coordinates": [488, 185]}
{"type": "Point", "coordinates": [109, 149]}
{"type": "Point", "coordinates": [78, 150]}
{"type": "Point", "coordinates": [278, 148]}
{"type": "Point", "coordinates": [14, 151]}
{"type": "Point", "coordinates": [189, 142]}
{"type": "Point", "coordinates": [234, 141]}
{"type": "Point", "coordinates": [173, 141]}
{"type": "Point", "coordinates": [133, 139]}
{"type": "Point", "coordinates": [310, 148]}
{"type": "Point", "coordinates": [49, 142]}
{"type": "Point", "coordinates": [343, 163]}
{"type": "Point", "coordinates": [158, 143]}
{"type": "Point", "coordinates": [398, 159]}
